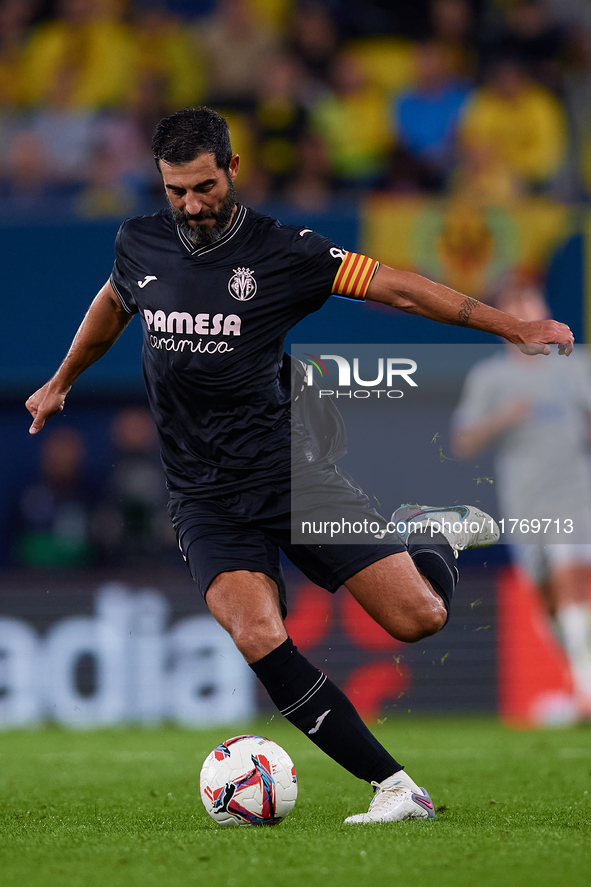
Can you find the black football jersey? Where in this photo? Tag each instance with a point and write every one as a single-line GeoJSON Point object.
{"type": "Point", "coordinates": [214, 322]}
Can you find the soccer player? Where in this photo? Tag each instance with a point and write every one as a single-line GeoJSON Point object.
{"type": "Point", "coordinates": [217, 286]}
{"type": "Point", "coordinates": [535, 414]}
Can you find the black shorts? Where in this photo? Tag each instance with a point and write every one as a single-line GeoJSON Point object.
{"type": "Point", "coordinates": [246, 530]}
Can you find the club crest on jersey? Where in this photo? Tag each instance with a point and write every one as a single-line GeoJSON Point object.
{"type": "Point", "coordinates": [242, 285]}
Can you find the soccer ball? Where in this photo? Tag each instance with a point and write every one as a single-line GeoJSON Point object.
{"type": "Point", "coordinates": [248, 780]}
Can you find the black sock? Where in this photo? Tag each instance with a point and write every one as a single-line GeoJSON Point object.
{"type": "Point", "coordinates": [316, 706]}
{"type": "Point", "coordinates": [434, 559]}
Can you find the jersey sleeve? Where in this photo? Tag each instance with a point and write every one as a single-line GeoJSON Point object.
{"type": "Point", "coordinates": [121, 275]}
{"type": "Point", "coordinates": [320, 268]}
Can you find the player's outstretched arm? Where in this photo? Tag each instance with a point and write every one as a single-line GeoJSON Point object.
{"type": "Point", "coordinates": [417, 295]}
{"type": "Point", "coordinates": [104, 322]}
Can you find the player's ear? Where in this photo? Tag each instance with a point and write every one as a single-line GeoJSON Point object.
{"type": "Point", "coordinates": [234, 166]}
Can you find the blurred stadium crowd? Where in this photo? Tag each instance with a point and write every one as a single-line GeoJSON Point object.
{"type": "Point", "coordinates": [65, 516]}
{"type": "Point", "coordinates": [325, 98]}
{"type": "Point", "coordinates": [483, 103]}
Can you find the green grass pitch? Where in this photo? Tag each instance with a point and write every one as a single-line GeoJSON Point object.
{"type": "Point", "coordinates": [121, 808]}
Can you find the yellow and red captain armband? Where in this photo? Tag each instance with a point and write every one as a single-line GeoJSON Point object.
{"type": "Point", "coordinates": [354, 276]}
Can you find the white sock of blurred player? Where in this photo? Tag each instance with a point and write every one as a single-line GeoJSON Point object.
{"type": "Point", "coordinates": [573, 623]}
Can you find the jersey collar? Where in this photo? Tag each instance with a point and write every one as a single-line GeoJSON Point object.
{"type": "Point", "coordinates": [235, 225]}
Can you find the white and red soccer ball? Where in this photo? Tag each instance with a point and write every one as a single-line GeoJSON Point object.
{"type": "Point", "coordinates": [248, 780]}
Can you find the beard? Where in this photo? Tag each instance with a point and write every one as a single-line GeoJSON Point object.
{"type": "Point", "coordinates": [204, 235]}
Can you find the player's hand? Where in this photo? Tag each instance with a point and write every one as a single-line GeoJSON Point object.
{"type": "Point", "coordinates": [44, 404]}
{"type": "Point", "coordinates": [537, 336]}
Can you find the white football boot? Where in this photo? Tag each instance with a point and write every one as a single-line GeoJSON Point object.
{"type": "Point", "coordinates": [395, 799]}
{"type": "Point", "coordinates": [464, 526]}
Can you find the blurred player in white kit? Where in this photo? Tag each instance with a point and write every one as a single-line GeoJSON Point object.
{"type": "Point", "coordinates": [536, 413]}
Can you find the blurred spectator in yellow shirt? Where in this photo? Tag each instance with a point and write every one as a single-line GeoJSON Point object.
{"type": "Point", "coordinates": [280, 118]}
{"type": "Point", "coordinates": [16, 17]}
{"type": "Point", "coordinates": [354, 122]}
{"type": "Point", "coordinates": [85, 55]}
{"type": "Point", "coordinates": [235, 47]}
{"type": "Point", "coordinates": [517, 123]}
{"type": "Point", "coordinates": [167, 55]}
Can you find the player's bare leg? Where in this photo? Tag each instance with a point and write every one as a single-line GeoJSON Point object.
{"type": "Point", "coordinates": [247, 605]}
{"type": "Point", "coordinates": [399, 598]}
{"type": "Point", "coordinates": [408, 593]}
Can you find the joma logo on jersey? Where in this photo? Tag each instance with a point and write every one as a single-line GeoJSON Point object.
{"type": "Point", "coordinates": [183, 322]}
{"type": "Point", "coordinates": [242, 285]}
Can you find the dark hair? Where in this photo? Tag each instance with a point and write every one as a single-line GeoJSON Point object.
{"type": "Point", "coordinates": [186, 134]}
